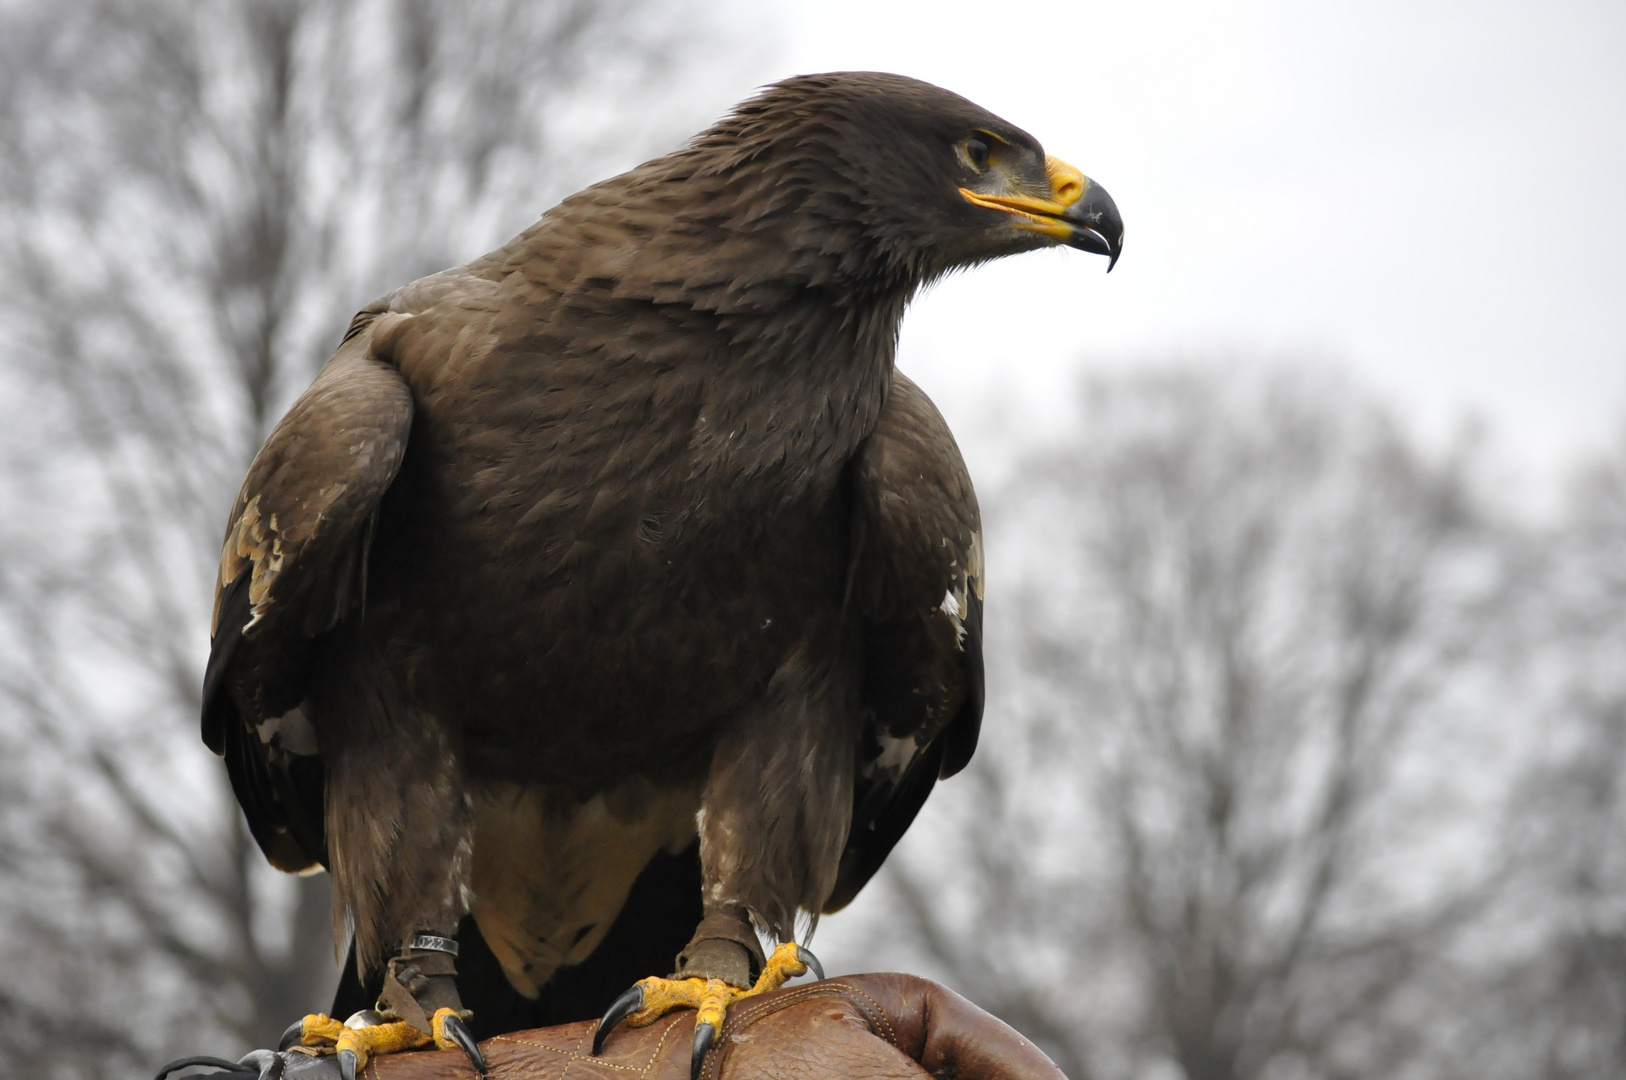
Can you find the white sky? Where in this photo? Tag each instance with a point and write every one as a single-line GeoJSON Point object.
{"type": "Point", "coordinates": [1430, 194]}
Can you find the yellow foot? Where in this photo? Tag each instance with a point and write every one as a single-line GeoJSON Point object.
{"type": "Point", "coordinates": [367, 1034]}
{"type": "Point", "coordinates": [652, 998]}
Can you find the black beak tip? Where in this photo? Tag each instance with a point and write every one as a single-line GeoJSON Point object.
{"type": "Point", "coordinates": [1093, 240]}
{"type": "Point", "coordinates": [1097, 226]}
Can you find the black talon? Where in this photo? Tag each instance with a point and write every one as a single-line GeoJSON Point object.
{"type": "Point", "coordinates": [806, 956]}
{"type": "Point", "coordinates": [621, 1008]}
{"type": "Point", "coordinates": [457, 1031]}
{"type": "Point", "coordinates": [704, 1036]}
{"type": "Point", "coordinates": [347, 1064]}
{"type": "Point", "coordinates": [291, 1036]}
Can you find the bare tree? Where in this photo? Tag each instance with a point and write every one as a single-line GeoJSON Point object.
{"type": "Point", "coordinates": [1210, 824]}
{"type": "Point", "coordinates": [1549, 980]}
{"type": "Point", "coordinates": [193, 198]}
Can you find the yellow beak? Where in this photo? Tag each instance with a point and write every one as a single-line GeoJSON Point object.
{"type": "Point", "coordinates": [1078, 212]}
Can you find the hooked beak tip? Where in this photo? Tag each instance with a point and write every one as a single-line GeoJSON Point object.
{"type": "Point", "coordinates": [1097, 226]}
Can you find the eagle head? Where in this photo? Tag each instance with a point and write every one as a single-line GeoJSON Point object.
{"type": "Point", "coordinates": [904, 179]}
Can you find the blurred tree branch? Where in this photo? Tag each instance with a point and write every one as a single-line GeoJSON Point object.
{"type": "Point", "coordinates": [1547, 979]}
{"type": "Point", "coordinates": [196, 196]}
{"type": "Point", "coordinates": [1200, 832]}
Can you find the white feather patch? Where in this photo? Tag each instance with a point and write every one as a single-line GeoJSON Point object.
{"type": "Point", "coordinates": [954, 606]}
{"type": "Point", "coordinates": [292, 731]}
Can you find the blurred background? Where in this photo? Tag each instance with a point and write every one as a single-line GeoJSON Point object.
{"type": "Point", "coordinates": [1306, 527]}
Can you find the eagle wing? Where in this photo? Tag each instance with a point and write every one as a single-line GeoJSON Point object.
{"type": "Point", "coordinates": [294, 563]}
{"type": "Point", "coordinates": [916, 582]}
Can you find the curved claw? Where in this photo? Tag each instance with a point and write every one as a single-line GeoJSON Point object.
{"type": "Point", "coordinates": [458, 1032]}
{"type": "Point", "coordinates": [806, 956]}
{"type": "Point", "coordinates": [291, 1036]}
{"type": "Point", "coordinates": [347, 1064]}
{"type": "Point", "coordinates": [704, 1036]}
{"type": "Point", "coordinates": [621, 1008]}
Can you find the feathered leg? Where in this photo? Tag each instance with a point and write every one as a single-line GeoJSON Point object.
{"type": "Point", "coordinates": [772, 825]}
{"type": "Point", "coordinates": [400, 846]}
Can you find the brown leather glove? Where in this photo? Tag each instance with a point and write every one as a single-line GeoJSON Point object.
{"type": "Point", "coordinates": [862, 1027]}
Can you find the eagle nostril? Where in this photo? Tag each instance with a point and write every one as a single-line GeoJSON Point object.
{"type": "Point", "coordinates": [1067, 184]}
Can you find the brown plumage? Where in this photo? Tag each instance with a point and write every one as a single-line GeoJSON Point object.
{"type": "Point", "coordinates": [630, 521]}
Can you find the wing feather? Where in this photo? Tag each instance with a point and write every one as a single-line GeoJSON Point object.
{"type": "Point", "coordinates": [917, 583]}
{"type": "Point", "coordinates": [293, 565]}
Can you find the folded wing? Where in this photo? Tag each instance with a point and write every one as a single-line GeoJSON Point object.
{"type": "Point", "coordinates": [917, 583]}
{"type": "Point", "coordinates": [294, 564]}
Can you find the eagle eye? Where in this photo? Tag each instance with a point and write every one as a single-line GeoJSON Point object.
{"type": "Point", "coordinates": [977, 151]}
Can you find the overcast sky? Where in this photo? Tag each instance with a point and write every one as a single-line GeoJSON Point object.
{"type": "Point", "coordinates": [1430, 194]}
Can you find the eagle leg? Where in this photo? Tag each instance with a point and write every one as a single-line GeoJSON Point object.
{"type": "Point", "coordinates": [419, 1005]}
{"type": "Point", "coordinates": [652, 998]}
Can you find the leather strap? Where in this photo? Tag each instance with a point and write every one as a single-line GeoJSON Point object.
{"type": "Point", "coordinates": [730, 923]}
{"type": "Point", "coordinates": [417, 984]}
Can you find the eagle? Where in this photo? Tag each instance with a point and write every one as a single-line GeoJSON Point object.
{"type": "Point", "coordinates": [626, 540]}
